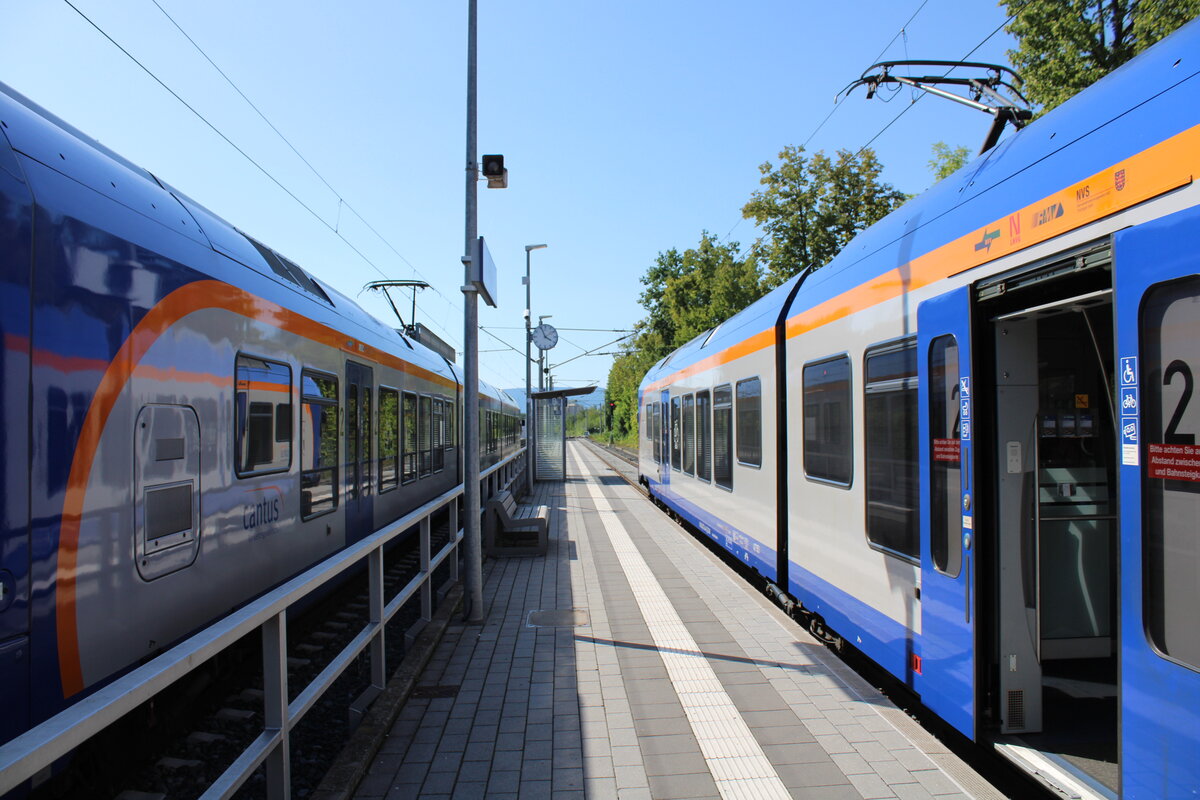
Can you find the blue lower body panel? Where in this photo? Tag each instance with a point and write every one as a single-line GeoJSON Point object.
{"type": "Point", "coordinates": [884, 640]}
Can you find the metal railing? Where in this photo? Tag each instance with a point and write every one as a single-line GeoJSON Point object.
{"type": "Point", "coordinates": [33, 751]}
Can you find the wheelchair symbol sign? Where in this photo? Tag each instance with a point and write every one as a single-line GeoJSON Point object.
{"type": "Point", "coordinates": [1129, 371]}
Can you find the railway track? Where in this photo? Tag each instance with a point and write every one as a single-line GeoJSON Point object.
{"type": "Point", "coordinates": [627, 456]}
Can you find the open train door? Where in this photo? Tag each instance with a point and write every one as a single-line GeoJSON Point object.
{"type": "Point", "coordinates": [945, 662]}
{"type": "Point", "coordinates": [1157, 275]}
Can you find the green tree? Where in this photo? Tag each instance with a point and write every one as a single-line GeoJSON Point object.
{"type": "Point", "coordinates": [626, 375]}
{"type": "Point", "coordinates": [1064, 46]}
{"type": "Point", "coordinates": [685, 294]}
{"type": "Point", "coordinates": [948, 160]}
{"type": "Point", "coordinates": [810, 208]}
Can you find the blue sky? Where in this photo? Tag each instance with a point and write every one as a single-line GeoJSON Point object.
{"type": "Point", "coordinates": [628, 127]}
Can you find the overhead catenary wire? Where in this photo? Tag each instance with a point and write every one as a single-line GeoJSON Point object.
{"type": "Point", "coordinates": [837, 103]}
{"type": "Point", "coordinates": [506, 344]}
{"type": "Point", "coordinates": [589, 330]}
{"type": "Point", "coordinates": [332, 228]}
{"type": "Point", "coordinates": [340, 198]}
{"type": "Point", "coordinates": [593, 351]}
{"type": "Point", "coordinates": [904, 110]}
{"type": "Point", "coordinates": [915, 100]}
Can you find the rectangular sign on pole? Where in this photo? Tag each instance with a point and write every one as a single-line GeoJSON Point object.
{"type": "Point", "coordinates": [483, 273]}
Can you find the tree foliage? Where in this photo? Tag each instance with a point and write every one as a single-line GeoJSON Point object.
{"type": "Point", "coordinates": [811, 207]}
{"type": "Point", "coordinates": [1064, 46]}
{"type": "Point", "coordinates": [626, 375]}
{"type": "Point", "coordinates": [689, 292]}
{"type": "Point", "coordinates": [948, 160]}
{"type": "Point", "coordinates": [685, 294]}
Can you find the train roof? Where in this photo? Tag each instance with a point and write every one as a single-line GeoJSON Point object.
{"type": "Point", "coordinates": [753, 319]}
{"type": "Point", "coordinates": [1145, 102]}
{"type": "Point", "coordinates": [37, 134]}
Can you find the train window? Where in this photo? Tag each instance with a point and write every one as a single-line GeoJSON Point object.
{"type": "Point", "coordinates": [749, 422]}
{"type": "Point", "coordinates": [1170, 318]}
{"type": "Point", "coordinates": [263, 404]}
{"type": "Point", "coordinates": [676, 431]}
{"type": "Point", "coordinates": [703, 436]}
{"type": "Point", "coordinates": [408, 451]}
{"type": "Point", "coordinates": [723, 437]}
{"type": "Point", "coordinates": [657, 432]}
{"type": "Point", "coordinates": [689, 434]}
{"type": "Point", "coordinates": [451, 420]}
{"type": "Point", "coordinates": [358, 437]}
{"type": "Point", "coordinates": [318, 444]}
{"type": "Point", "coordinates": [651, 411]}
{"type": "Point", "coordinates": [651, 421]}
{"type": "Point", "coordinates": [439, 434]}
{"type": "Point", "coordinates": [659, 455]}
{"type": "Point", "coordinates": [389, 439]}
{"type": "Point", "coordinates": [425, 431]}
{"type": "Point", "coordinates": [890, 448]}
{"type": "Point", "coordinates": [945, 481]}
{"type": "Point", "coordinates": [828, 435]}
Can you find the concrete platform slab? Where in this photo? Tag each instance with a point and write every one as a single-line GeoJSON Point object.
{"type": "Point", "coordinates": [629, 662]}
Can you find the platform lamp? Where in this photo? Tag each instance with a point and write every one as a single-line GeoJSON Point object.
{"type": "Point", "coordinates": [529, 248]}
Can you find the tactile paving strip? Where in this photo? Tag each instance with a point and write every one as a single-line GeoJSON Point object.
{"type": "Point", "coordinates": [737, 762]}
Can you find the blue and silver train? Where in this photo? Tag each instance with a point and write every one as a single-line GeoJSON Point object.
{"type": "Point", "coordinates": [188, 417]}
{"type": "Point", "coordinates": [968, 445]}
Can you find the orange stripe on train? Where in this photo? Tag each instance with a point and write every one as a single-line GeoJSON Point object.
{"type": "Point", "coordinates": [199, 296]}
{"type": "Point", "coordinates": [1150, 173]}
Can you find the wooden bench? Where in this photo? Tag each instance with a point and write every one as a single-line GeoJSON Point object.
{"type": "Point", "coordinates": [515, 530]}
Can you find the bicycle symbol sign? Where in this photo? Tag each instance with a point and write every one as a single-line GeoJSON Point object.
{"type": "Point", "coordinates": [1129, 400]}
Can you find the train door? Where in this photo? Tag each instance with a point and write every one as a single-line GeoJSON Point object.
{"type": "Point", "coordinates": [359, 494]}
{"type": "Point", "coordinates": [1046, 331]}
{"type": "Point", "coordinates": [946, 661]}
{"type": "Point", "coordinates": [664, 464]}
{"type": "Point", "coordinates": [1158, 352]}
{"type": "Point", "coordinates": [15, 554]}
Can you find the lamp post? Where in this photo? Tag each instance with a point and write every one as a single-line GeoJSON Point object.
{"type": "Point", "coordinates": [472, 540]}
{"type": "Point", "coordinates": [529, 248]}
